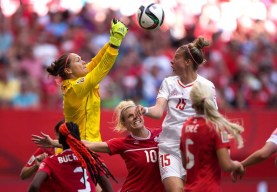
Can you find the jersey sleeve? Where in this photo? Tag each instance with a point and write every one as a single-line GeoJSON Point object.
{"type": "Point", "coordinates": [32, 159]}
{"type": "Point", "coordinates": [222, 140]}
{"type": "Point", "coordinates": [273, 137]}
{"type": "Point", "coordinates": [95, 60]}
{"type": "Point", "coordinates": [44, 167]}
{"type": "Point", "coordinates": [82, 86]}
{"type": "Point", "coordinates": [164, 90]}
{"type": "Point", "coordinates": [116, 145]}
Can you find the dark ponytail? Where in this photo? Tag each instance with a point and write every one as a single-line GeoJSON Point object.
{"type": "Point", "coordinates": [57, 67]}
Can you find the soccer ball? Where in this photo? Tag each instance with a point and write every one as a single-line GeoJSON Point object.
{"type": "Point", "coordinates": [150, 16]}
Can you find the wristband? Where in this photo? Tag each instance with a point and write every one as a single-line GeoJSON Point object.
{"type": "Point", "coordinates": [146, 110]}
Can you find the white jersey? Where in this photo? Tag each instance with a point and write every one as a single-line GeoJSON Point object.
{"type": "Point", "coordinates": [273, 137]}
{"type": "Point", "coordinates": [178, 107]}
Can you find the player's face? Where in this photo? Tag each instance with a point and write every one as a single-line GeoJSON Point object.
{"type": "Point", "coordinates": [178, 62]}
{"type": "Point", "coordinates": [133, 122]}
{"type": "Point", "coordinates": [77, 66]}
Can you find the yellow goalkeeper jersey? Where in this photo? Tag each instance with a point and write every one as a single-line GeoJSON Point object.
{"type": "Point", "coordinates": [81, 99]}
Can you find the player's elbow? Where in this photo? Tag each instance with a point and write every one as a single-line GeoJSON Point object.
{"type": "Point", "coordinates": [33, 188]}
{"type": "Point", "coordinates": [23, 175]}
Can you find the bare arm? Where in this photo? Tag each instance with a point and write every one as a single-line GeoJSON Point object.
{"type": "Point", "coordinates": [39, 178]}
{"type": "Point", "coordinates": [27, 172]}
{"type": "Point", "coordinates": [260, 155]}
{"type": "Point", "coordinates": [155, 111]}
{"type": "Point", "coordinates": [101, 147]}
{"type": "Point", "coordinates": [45, 141]}
{"type": "Point", "coordinates": [226, 163]}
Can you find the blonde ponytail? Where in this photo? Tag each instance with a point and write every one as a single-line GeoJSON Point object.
{"type": "Point", "coordinates": [202, 99]}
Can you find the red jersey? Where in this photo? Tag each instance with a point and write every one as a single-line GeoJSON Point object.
{"type": "Point", "coordinates": [66, 172]}
{"type": "Point", "coordinates": [39, 151]}
{"type": "Point", "coordinates": [141, 159]}
{"type": "Point", "coordinates": [199, 143]}
{"type": "Point", "coordinates": [47, 186]}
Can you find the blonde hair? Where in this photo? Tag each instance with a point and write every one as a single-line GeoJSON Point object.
{"type": "Point", "coordinates": [201, 96]}
{"type": "Point", "coordinates": [119, 116]}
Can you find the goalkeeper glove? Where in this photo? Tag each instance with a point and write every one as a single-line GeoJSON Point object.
{"type": "Point", "coordinates": [118, 32]}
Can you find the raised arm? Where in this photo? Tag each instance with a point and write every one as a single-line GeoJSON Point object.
{"type": "Point", "coordinates": [45, 141]}
{"type": "Point", "coordinates": [155, 111]}
{"type": "Point", "coordinates": [101, 147]}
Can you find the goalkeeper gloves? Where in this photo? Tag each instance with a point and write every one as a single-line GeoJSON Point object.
{"type": "Point", "coordinates": [118, 32]}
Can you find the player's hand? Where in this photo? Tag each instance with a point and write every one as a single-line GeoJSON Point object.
{"type": "Point", "coordinates": [86, 143]}
{"type": "Point", "coordinates": [140, 110]}
{"type": "Point", "coordinates": [238, 173]}
{"type": "Point", "coordinates": [118, 32]}
{"type": "Point", "coordinates": [43, 141]}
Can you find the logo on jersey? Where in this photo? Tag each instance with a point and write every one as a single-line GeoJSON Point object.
{"type": "Point", "coordinates": [156, 139]}
{"type": "Point", "coordinates": [81, 80]}
{"type": "Point", "coordinates": [224, 137]}
{"type": "Point", "coordinates": [174, 93]}
{"type": "Point", "coordinates": [136, 142]}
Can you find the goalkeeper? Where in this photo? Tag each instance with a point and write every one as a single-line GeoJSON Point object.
{"type": "Point", "coordinates": [79, 83]}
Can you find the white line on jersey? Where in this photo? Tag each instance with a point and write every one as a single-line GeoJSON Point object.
{"type": "Point", "coordinates": [140, 149]}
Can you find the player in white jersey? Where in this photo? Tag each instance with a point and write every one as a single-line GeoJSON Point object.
{"type": "Point", "coordinates": [269, 148]}
{"type": "Point", "coordinates": [173, 97]}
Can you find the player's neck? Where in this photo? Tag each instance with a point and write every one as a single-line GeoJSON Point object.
{"type": "Point", "coordinates": [188, 78]}
{"type": "Point", "coordinates": [143, 133]}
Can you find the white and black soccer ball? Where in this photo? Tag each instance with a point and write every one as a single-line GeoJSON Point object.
{"type": "Point", "coordinates": [150, 16]}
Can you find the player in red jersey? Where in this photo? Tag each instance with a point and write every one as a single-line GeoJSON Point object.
{"type": "Point", "coordinates": [76, 168]}
{"type": "Point", "coordinates": [204, 143]}
{"type": "Point", "coordinates": [139, 150]}
{"type": "Point", "coordinates": [35, 160]}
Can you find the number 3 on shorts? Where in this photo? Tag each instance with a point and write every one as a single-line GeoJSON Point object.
{"type": "Point", "coordinates": [165, 160]}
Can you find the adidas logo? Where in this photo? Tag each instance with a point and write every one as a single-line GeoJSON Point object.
{"type": "Point", "coordinates": [121, 29]}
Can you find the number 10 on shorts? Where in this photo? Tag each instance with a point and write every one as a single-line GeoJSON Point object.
{"type": "Point", "coordinates": [165, 160]}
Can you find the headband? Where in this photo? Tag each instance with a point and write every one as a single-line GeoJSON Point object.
{"type": "Point", "coordinates": [67, 58]}
{"type": "Point", "coordinates": [191, 55]}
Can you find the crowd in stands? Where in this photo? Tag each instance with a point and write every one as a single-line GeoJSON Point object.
{"type": "Point", "coordinates": [243, 68]}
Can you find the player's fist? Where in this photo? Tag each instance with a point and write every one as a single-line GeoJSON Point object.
{"type": "Point", "coordinates": [118, 32]}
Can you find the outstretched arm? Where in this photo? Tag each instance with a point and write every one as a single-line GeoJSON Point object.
{"type": "Point", "coordinates": [260, 155]}
{"type": "Point", "coordinates": [45, 141]}
{"type": "Point", "coordinates": [101, 147]}
{"type": "Point", "coordinates": [155, 111]}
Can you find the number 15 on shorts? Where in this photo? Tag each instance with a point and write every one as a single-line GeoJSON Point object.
{"type": "Point", "coordinates": [165, 160]}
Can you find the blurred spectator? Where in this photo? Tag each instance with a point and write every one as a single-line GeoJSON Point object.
{"type": "Point", "coordinates": [26, 98]}
{"type": "Point", "coordinates": [9, 87]}
{"type": "Point", "coordinates": [242, 56]}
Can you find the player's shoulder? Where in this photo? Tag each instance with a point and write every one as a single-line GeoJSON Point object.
{"type": "Point", "coordinates": [171, 79]}
{"type": "Point", "coordinates": [202, 79]}
{"type": "Point", "coordinates": [155, 131]}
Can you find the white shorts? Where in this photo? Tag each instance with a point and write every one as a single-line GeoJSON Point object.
{"type": "Point", "coordinates": [170, 164]}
